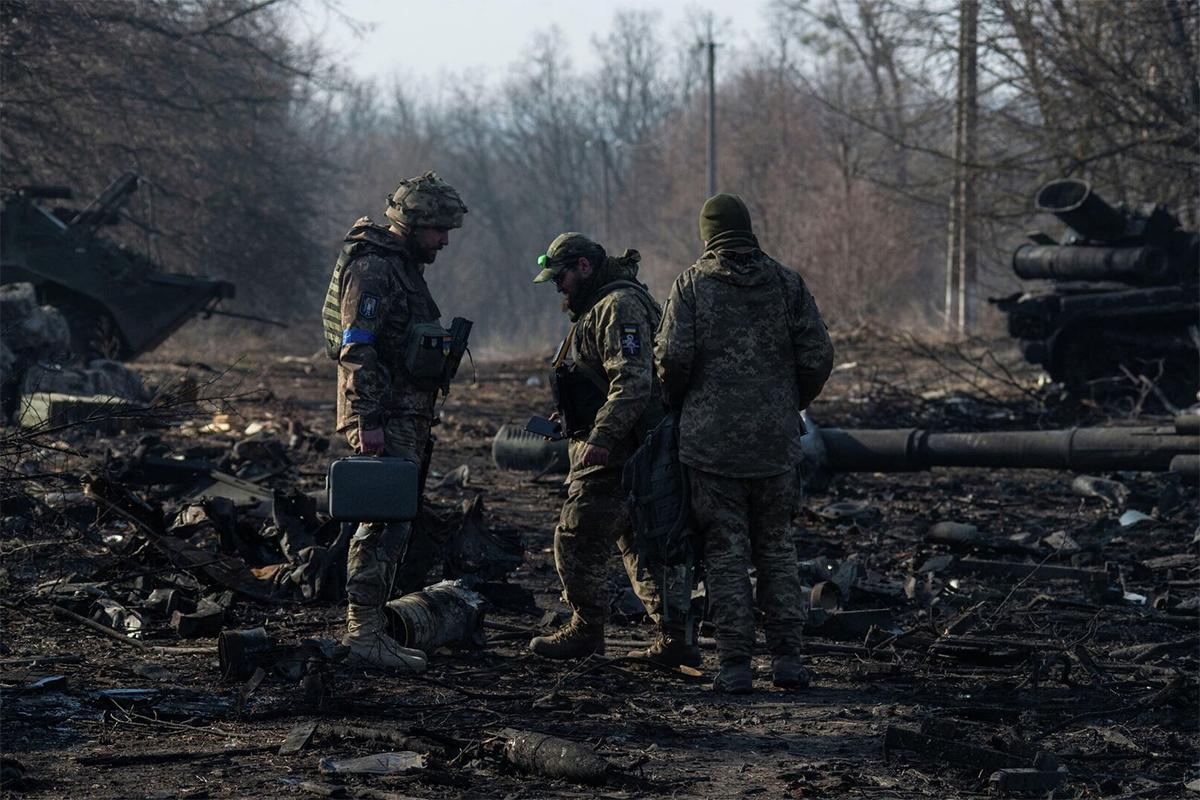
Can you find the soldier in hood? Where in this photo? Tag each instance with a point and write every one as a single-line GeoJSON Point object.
{"type": "Point", "coordinates": [741, 350]}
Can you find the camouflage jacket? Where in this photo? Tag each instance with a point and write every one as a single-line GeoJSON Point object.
{"type": "Point", "coordinates": [741, 350]}
{"type": "Point", "coordinates": [383, 294]}
{"type": "Point", "coordinates": [614, 338]}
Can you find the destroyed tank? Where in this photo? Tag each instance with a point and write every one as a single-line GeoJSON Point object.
{"type": "Point", "coordinates": [1115, 299]}
{"type": "Point", "coordinates": [117, 303]}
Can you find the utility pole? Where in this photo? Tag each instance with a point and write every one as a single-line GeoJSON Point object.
{"type": "Point", "coordinates": [968, 264]}
{"type": "Point", "coordinates": [711, 47]}
{"type": "Point", "coordinates": [961, 245]}
{"type": "Point", "coordinates": [951, 316]}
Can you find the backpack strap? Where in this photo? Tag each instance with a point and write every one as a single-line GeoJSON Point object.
{"type": "Point", "coordinates": [567, 346]}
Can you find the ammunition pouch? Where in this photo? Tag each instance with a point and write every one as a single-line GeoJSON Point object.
{"type": "Point", "coordinates": [426, 351]}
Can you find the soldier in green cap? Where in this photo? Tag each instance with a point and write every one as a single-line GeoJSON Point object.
{"type": "Point", "coordinates": [741, 350]}
{"type": "Point", "coordinates": [606, 394]}
{"type": "Point", "coordinates": [383, 328]}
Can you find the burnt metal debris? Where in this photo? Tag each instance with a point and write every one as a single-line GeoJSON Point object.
{"type": "Point", "coordinates": [117, 302]}
{"type": "Point", "coordinates": [446, 613]}
{"type": "Point", "coordinates": [38, 384]}
{"type": "Point", "coordinates": [992, 628]}
{"type": "Point", "coordinates": [554, 757]}
{"type": "Point", "coordinates": [1118, 293]}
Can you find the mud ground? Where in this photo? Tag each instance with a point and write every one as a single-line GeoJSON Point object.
{"type": "Point", "coordinates": [1014, 665]}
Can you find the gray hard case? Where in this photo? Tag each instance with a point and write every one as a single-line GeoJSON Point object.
{"type": "Point", "coordinates": [373, 489]}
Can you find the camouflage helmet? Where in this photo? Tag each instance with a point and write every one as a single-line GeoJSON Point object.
{"type": "Point", "coordinates": [427, 201]}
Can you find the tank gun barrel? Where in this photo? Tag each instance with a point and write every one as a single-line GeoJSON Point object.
{"type": "Point", "coordinates": [831, 450]}
{"type": "Point", "coordinates": [1149, 449]}
{"type": "Point", "coordinates": [1135, 265]}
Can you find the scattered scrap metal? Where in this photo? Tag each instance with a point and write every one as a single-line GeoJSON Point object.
{"type": "Point", "coordinates": [1019, 636]}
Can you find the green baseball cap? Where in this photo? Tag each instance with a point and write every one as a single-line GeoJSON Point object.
{"type": "Point", "coordinates": [565, 250]}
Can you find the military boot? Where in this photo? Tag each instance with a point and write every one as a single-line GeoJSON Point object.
{"type": "Point", "coordinates": [369, 643]}
{"type": "Point", "coordinates": [576, 639]}
{"type": "Point", "coordinates": [734, 678]}
{"type": "Point", "coordinates": [789, 672]}
{"type": "Point", "coordinates": [671, 649]}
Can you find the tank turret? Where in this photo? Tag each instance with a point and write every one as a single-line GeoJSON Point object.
{"type": "Point", "coordinates": [1116, 297]}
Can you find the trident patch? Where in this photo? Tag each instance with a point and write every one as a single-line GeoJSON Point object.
{"type": "Point", "coordinates": [368, 306]}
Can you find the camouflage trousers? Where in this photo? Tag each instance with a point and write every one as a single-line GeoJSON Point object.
{"type": "Point", "coordinates": [744, 522]}
{"type": "Point", "coordinates": [593, 519]}
{"type": "Point", "coordinates": [376, 548]}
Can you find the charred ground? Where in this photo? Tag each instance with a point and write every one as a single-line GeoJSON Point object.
{"type": "Point", "coordinates": [1004, 666]}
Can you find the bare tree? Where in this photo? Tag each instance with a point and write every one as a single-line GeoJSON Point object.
{"type": "Point", "coordinates": [209, 101]}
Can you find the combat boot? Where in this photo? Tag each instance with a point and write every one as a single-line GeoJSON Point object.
{"type": "Point", "coordinates": [789, 672]}
{"type": "Point", "coordinates": [369, 644]}
{"type": "Point", "coordinates": [671, 649]}
{"type": "Point", "coordinates": [576, 639]}
{"type": "Point", "coordinates": [734, 678]}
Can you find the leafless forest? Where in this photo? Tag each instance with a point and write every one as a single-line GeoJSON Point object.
{"type": "Point", "coordinates": [172, 593]}
{"type": "Point", "coordinates": [258, 150]}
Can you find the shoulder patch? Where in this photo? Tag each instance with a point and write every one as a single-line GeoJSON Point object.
{"type": "Point", "coordinates": [631, 340]}
{"type": "Point", "coordinates": [368, 305]}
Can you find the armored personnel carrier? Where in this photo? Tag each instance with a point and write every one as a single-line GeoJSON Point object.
{"type": "Point", "coordinates": [117, 302]}
{"type": "Point", "coordinates": [1117, 297]}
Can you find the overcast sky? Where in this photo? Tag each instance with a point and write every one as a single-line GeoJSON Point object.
{"type": "Point", "coordinates": [429, 39]}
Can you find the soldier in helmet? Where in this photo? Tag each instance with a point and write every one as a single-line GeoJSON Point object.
{"type": "Point", "coordinates": [741, 350]}
{"type": "Point", "coordinates": [383, 326]}
{"type": "Point", "coordinates": [607, 397]}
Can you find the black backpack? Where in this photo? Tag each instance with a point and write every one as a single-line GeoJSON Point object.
{"type": "Point", "coordinates": [656, 491]}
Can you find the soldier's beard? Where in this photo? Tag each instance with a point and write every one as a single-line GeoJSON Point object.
{"type": "Point", "coordinates": [426, 255]}
{"type": "Point", "coordinates": [576, 301]}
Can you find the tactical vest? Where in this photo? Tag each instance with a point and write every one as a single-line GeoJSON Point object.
{"type": "Point", "coordinates": [331, 315]}
{"type": "Point", "coordinates": [580, 392]}
{"type": "Point", "coordinates": [431, 354]}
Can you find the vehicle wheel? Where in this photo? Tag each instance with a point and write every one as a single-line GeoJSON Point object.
{"type": "Point", "coordinates": [105, 340]}
{"type": "Point", "coordinates": [515, 448]}
{"type": "Point", "coordinates": [94, 333]}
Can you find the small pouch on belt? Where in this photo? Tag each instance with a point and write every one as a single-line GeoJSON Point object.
{"type": "Point", "coordinates": [428, 349]}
